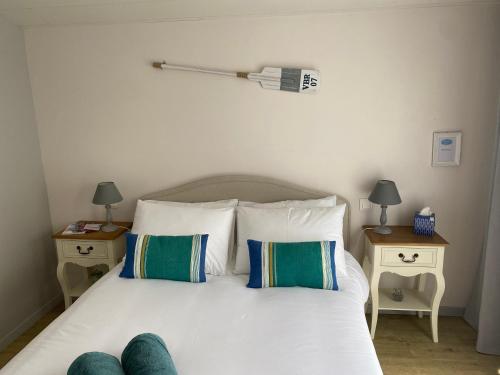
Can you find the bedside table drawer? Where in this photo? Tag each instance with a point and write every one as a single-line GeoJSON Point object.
{"type": "Point", "coordinates": [84, 249]}
{"type": "Point", "coordinates": [408, 257]}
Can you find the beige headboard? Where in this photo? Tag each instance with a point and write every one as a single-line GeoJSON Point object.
{"type": "Point", "coordinates": [247, 188]}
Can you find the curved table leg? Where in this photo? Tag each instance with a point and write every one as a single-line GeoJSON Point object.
{"type": "Point", "coordinates": [436, 299]}
{"type": "Point", "coordinates": [375, 277]}
{"type": "Point", "coordinates": [421, 287]}
{"type": "Point", "coordinates": [61, 276]}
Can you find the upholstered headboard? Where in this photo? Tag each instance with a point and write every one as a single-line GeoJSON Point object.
{"type": "Point", "coordinates": [247, 188]}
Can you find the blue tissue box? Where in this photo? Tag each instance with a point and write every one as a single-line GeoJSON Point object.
{"type": "Point", "coordinates": [424, 225]}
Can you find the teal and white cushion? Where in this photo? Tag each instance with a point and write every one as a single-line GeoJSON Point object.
{"type": "Point", "coordinates": [287, 264]}
{"type": "Point", "coordinates": [180, 258]}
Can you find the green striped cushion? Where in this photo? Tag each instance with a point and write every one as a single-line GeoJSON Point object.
{"type": "Point", "coordinates": [286, 264]}
{"type": "Point", "coordinates": [180, 258]}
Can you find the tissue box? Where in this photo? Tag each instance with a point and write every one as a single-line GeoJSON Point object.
{"type": "Point", "coordinates": [424, 225]}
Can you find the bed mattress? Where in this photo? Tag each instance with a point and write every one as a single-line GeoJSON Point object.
{"type": "Point", "coordinates": [219, 327]}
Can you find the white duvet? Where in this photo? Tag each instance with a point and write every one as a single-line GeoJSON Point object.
{"type": "Point", "coordinates": [219, 327]}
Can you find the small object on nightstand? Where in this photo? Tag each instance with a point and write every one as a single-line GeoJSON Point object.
{"type": "Point", "coordinates": [92, 227]}
{"type": "Point", "coordinates": [81, 227]}
{"type": "Point", "coordinates": [74, 228]}
{"type": "Point", "coordinates": [87, 250]}
{"type": "Point", "coordinates": [106, 194]}
{"type": "Point", "coordinates": [406, 254]}
{"type": "Point", "coordinates": [397, 294]}
{"type": "Point", "coordinates": [384, 193]}
{"type": "Point", "coordinates": [424, 222]}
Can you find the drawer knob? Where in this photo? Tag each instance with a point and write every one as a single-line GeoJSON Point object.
{"type": "Point", "coordinates": [412, 260]}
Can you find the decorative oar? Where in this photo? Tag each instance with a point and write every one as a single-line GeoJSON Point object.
{"type": "Point", "coordinates": [286, 79]}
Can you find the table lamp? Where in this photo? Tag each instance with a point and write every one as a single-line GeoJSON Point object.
{"type": "Point", "coordinates": [106, 194]}
{"type": "Point", "coordinates": [386, 194]}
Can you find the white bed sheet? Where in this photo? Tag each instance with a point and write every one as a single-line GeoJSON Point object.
{"type": "Point", "coordinates": [219, 327]}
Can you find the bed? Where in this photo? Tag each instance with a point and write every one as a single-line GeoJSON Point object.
{"type": "Point", "coordinates": [218, 327]}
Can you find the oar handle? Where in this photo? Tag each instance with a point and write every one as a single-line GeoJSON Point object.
{"type": "Point", "coordinates": [164, 65]}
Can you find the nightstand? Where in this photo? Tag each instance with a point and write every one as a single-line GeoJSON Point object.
{"type": "Point", "coordinates": [405, 254]}
{"type": "Point", "coordinates": [87, 250]}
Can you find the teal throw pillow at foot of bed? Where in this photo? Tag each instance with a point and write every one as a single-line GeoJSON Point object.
{"type": "Point", "coordinates": [147, 354]}
{"type": "Point", "coordinates": [96, 363]}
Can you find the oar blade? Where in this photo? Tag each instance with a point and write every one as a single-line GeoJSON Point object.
{"type": "Point", "coordinates": [270, 85]}
{"type": "Point", "coordinates": [299, 80]}
{"type": "Point", "coordinates": [269, 78]}
{"type": "Point", "coordinates": [271, 72]}
{"type": "Point", "coordinates": [288, 79]}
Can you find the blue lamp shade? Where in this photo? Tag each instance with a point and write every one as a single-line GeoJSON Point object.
{"type": "Point", "coordinates": [106, 193]}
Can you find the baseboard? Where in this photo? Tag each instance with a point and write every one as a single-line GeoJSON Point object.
{"type": "Point", "coordinates": [452, 311]}
{"type": "Point", "coordinates": [443, 311]}
{"type": "Point", "coordinates": [30, 321]}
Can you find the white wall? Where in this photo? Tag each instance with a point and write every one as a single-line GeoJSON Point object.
{"type": "Point", "coordinates": [28, 284]}
{"type": "Point", "coordinates": [390, 78]}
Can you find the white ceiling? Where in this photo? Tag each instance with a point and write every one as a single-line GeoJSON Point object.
{"type": "Point", "coordinates": [67, 12]}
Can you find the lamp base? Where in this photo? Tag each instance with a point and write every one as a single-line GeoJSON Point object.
{"type": "Point", "coordinates": [382, 229]}
{"type": "Point", "coordinates": [109, 228]}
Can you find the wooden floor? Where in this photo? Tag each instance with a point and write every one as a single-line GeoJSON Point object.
{"type": "Point", "coordinates": [403, 345]}
{"type": "Point", "coordinates": [26, 337]}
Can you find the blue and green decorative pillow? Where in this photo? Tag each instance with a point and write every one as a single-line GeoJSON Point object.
{"type": "Point", "coordinates": [287, 264]}
{"type": "Point", "coordinates": [180, 258]}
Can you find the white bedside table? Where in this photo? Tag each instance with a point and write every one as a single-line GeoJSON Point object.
{"type": "Point", "coordinates": [87, 250]}
{"type": "Point", "coordinates": [405, 254]}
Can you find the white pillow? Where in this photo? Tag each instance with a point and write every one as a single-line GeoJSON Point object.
{"type": "Point", "coordinates": [213, 204]}
{"type": "Point", "coordinates": [289, 225]}
{"type": "Point", "coordinates": [167, 218]}
{"type": "Point", "coordinates": [330, 201]}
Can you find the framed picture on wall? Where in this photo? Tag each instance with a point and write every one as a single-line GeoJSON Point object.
{"type": "Point", "coordinates": [446, 149]}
